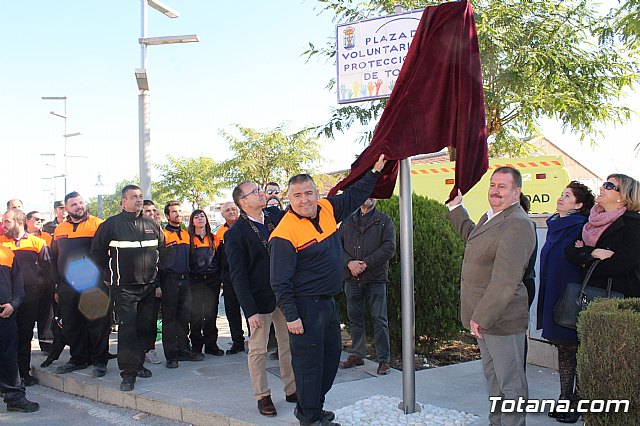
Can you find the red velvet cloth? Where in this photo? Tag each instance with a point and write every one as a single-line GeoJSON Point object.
{"type": "Point", "coordinates": [437, 101]}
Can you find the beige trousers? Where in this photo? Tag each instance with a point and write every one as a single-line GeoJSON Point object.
{"type": "Point", "coordinates": [258, 350]}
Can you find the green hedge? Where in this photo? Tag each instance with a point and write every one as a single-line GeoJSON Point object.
{"type": "Point", "coordinates": [609, 358]}
{"type": "Point", "coordinates": [438, 252]}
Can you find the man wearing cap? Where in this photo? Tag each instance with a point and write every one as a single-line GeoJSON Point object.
{"type": "Point", "coordinates": [61, 214]}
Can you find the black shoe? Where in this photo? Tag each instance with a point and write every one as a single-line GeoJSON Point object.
{"type": "Point", "coordinates": [145, 373]}
{"type": "Point", "coordinates": [29, 380]}
{"type": "Point", "coordinates": [23, 405]}
{"type": "Point", "coordinates": [127, 384]}
{"type": "Point", "coordinates": [235, 349]}
{"type": "Point", "coordinates": [69, 367]}
{"type": "Point", "coordinates": [47, 362]}
{"type": "Point", "coordinates": [215, 351]}
{"type": "Point", "coordinates": [328, 416]}
{"type": "Point", "coordinates": [571, 417]}
{"type": "Point", "coordinates": [172, 363]}
{"type": "Point", "coordinates": [190, 356]}
{"type": "Point", "coordinates": [99, 370]}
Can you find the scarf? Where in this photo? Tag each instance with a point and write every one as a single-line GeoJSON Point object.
{"type": "Point", "coordinates": [599, 221]}
{"type": "Point", "coordinates": [267, 221]}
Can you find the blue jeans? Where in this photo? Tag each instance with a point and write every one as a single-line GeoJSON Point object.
{"type": "Point", "coordinates": [376, 295]}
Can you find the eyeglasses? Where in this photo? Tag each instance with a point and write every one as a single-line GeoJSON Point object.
{"type": "Point", "coordinates": [610, 186]}
{"type": "Point", "coordinates": [255, 192]}
{"type": "Point", "coordinates": [38, 219]}
{"type": "Point", "coordinates": [273, 191]}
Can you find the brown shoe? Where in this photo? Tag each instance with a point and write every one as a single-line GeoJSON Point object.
{"type": "Point", "coordinates": [383, 368]}
{"type": "Point", "coordinates": [351, 361]}
{"type": "Point", "coordinates": [266, 407]}
{"type": "Point", "coordinates": [291, 398]}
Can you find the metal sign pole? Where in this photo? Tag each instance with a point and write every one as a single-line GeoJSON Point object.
{"type": "Point", "coordinates": [408, 403]}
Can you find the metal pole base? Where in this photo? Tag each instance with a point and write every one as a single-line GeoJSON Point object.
{"type": "Point", "coordinates": [406, 409]}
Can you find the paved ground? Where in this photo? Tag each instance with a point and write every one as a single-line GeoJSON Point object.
{"type": "Point", "coordinates": [57, 408]}
{"type": "Point", "coordinates": [217, 391]}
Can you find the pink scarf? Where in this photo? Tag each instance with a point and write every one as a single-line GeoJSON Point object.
{"type": "Point", "coordinates": [599, 221]}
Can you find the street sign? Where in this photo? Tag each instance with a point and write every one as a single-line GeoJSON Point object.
{"type": "Point", "coordinates": [370, 54]}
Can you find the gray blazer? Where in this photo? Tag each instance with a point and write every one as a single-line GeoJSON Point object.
{"type": "Point", "coordinates": [496, 255]}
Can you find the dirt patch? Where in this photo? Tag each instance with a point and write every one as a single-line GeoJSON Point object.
{"type": "Point", "coordinates": [460, 349]}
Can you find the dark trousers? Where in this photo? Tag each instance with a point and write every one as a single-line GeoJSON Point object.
{"type": "Point", "coordinates": [234, 316]}
{"type": "Point", "coordinates": [133, 305]}
{"type": "Point", "coordinates": [26, 318]}
{"type": "Point", "coordinates": [176, 313]}
{"type": "Point", "coordinates": [86, 331]}
{"type": "Point", "coordinates": [205, 296]}
{"type": "Point", "coordinates": [315, 354]}
{"type": "Point", "coordinates": [45, 316]}
{"type": "Point", "coordinates": [150, 333]}
{"type": "Point", "coordinates": [376, 297]}
{"type": "Point", "coordinates": [10, 386]}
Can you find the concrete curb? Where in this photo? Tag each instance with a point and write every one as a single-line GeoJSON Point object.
{"type": "Point", "coordinates": [133, 401]}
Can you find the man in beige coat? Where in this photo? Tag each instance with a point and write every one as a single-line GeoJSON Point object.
{"type": "Point", "coordinates": [493, 298]}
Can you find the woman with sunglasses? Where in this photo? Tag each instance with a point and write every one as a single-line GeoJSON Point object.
{"type": "Point", "coordinates": [563, 228]}
{"type": "Point", "coordinates": [205, 286]}
{"type": "Point", "coordinates": [612, 235]}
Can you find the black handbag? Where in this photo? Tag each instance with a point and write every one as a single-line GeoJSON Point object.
{"type": "Point", "coordinates": [576, 298]}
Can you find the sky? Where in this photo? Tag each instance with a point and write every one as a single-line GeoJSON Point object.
{"type": "Point", "coordinates": [248, 69]}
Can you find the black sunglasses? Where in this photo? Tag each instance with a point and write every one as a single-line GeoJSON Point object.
{"type": "Point", "coordinates": [610, 186]}
{"type": "Point", "coordinates": [273, 191]}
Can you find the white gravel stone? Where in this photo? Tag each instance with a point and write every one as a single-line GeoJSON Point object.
{"type": "Point", "coordinates": [380, 410]}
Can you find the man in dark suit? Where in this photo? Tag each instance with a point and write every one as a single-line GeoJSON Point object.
{"type": "Point", "coordinates": [493, 297]}
{"type": "Point", "coordinates": [246, 247]}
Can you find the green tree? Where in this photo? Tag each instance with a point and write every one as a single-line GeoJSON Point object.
{"type": "Point", "coordinates": [268, 155]}
{"type": "Point", "coordinates": [624, 22]}
{"type": "Point", "coordinates": [540, 60]}
{"type": "Point", "coordinates": [196, 180]}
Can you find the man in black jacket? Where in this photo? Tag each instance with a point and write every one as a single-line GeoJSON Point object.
{"type": "Point", "coordinates": [369, 240]}
{"type": "Point", "coordinates": [246, 247]}
{"type": "Point", "coordinates": [129, 245]}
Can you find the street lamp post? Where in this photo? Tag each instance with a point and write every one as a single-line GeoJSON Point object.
{"type": "Point", "coordinates": [65, 135]}
{"type": "Point", "coordinates": [144, 126]}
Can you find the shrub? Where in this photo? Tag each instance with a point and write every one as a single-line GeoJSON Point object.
{"type": "Point", "coordinates": [438, 252]}
{"type": "Point", "coordinates": [608, 358]}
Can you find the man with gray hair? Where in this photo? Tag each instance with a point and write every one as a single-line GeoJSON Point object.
{"type": "Point", "coordinates": [306, 275]}
{"type": "Point", "coordinates": [247, 250]}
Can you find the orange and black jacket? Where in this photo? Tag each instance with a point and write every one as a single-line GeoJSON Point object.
{"type": "Point", "coordinates": [71, 241]}
{"type": "Point", "coordinates": [47, 237]}
{"type": "Point", "coordinates": [177, 241]}
{"type": "Point", "coordinates": [306, 254]}
{"type": "Point", "coordinates": [202, 259]}
{"type": "Point", "coordinates": [33, 256]}
{"type": "Point", "coordinates": [11, 283]}
{"type": "Point", "coordinates": [130, 246]}
{"type": "Point", "coordinates": [221, 257]}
